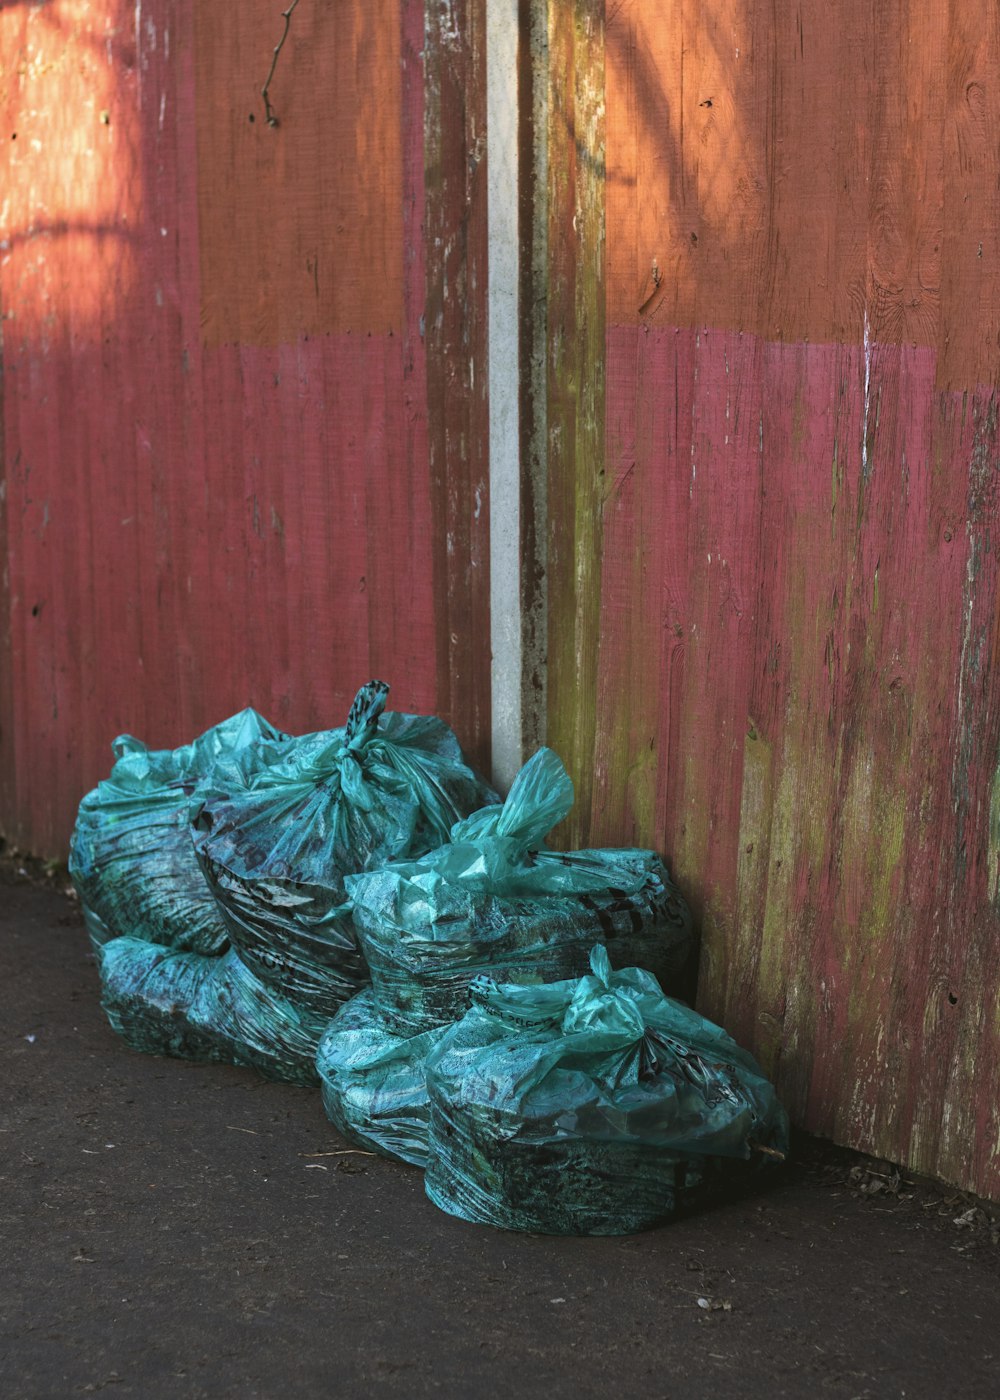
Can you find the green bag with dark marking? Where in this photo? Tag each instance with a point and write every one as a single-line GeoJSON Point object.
{"type": "Point", "coordinates": [495, 900]}
{"type": "Point", "coordinates": [191, 1007]}
{"type": "Point", "coordinates": [277, 831]}
{"type": "Point", "coordinates": [596, 1106]}
{"type": "Point", "coordinates": [131, 857]}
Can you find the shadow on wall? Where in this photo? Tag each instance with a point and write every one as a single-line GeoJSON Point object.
{"type": "Point", "coordinates": [73, 181]}
{"type": "Point", "coordinates": [190, 478]}
{"type": "Point", "coordinates": [789, 179]}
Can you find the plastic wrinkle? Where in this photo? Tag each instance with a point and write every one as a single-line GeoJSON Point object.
{"type": "Point", "coordinates": [493, 899]}
{"type": "Point", "coordinates": [278, 829]}
{"type": "Point", "coordinates": [209, 1009]}
{"type": "Point", "coordinates": [131, 856]}
{"type": "Point", "coordinates": [373, 1081]}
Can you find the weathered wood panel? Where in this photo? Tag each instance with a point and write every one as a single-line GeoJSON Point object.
{"type": "Point", "coordinates": [456, 330]}
{"type": "Point", "coordinates": [218, 478]}
{"type": "Point", "coordinates": [794, 603]}
{"type": "Point", "coordinates": [575, 382]}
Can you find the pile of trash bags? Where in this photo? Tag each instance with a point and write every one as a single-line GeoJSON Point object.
{"type": "Point", "coordinates": [356, 908]}
{"type": "Point", "coordinates": [264, 829]}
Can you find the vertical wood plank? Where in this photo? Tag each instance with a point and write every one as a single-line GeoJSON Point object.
{"type": "Point", "coordinates": [575, 399]}
{"type": "Point", "coordinates": [216, 454]}
{"type": "Point", "coordinates": [789, 681]}
{"type": "Point", "coordinates": [456, 331]}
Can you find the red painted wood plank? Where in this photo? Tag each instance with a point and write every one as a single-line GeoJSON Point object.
{"type": "Point", "coordinates": [69, 256]}
{"type": "Point", "coordinates": [795, 694]}
{"type": "Point", "coordinates": [456, 329]}
{"type": "Point", "coordinates": [803, 762]}
{"type": "Point", "coordinates": [575, 388]}
{"type": "Point", "coordinates": [301, 224]}
{"type": "Point", "coordinates": [217, 387]}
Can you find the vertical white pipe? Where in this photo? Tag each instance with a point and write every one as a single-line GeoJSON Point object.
{"type": "Point", "coordinates": [504, 388]}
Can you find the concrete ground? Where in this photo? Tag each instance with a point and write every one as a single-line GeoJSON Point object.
{"type": "Point", "coordinates": [171, 1230]}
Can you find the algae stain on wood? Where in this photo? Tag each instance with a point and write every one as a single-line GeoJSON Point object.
{"type": "Point", "coordinates": [576, 355]}
{"type": "Point", "coordinates": [842, 847]}
{"type": "Point", "coordinates": [456, 340]}
{"type": "Point", "coordinates": [993, 852]}
{"type": "Point", "coordinates": [738, 979]}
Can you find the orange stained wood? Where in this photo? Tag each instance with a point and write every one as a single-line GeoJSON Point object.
{"type": "Point", "coordinates": [803, 171]}
{"type": "Point", "coordinates": [71, 183]}
{"type": "Point", "coordinates": [301, 225]}
{"type": "Point", "coordinates": [776, 661]}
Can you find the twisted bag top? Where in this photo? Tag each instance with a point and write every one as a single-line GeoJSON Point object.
{"type": "Point", "coordinates": [324, 805]}
{"type": "Point", "coordinates": [605, 1058]}
{"type": "Point", "coordinates": [494, 898]}
{"type": "Point", "coordinates": [142, 776]}
{"type": "Point", "coordinates": [499, 850]}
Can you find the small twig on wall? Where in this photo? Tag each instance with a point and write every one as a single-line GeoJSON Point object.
{"type": "Point", "coordinates": [269, 112]}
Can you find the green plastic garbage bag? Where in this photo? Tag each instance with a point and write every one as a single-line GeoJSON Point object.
{"type": "Point", "coordinates": [374, 1090]}
{"type": "Point", "coordinates": [596, 1106]}
{"type": "Point", "coordinates": [206, 1008]}
{"type": "Point", "coordinates": [277, 831]}
{"type": "Point", "coordinates": [131, 857]}
{"type": "Point", "coordinates": [495, 900]}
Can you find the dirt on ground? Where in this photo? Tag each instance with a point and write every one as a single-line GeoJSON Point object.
{"type": "Point", "coordinates": [178, 1230]}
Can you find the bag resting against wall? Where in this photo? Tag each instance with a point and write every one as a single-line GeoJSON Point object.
{"type": "Point", "coordinates": [495, 900]}
{"type": "Point", "coordinates": [373, 1083]}
{"type": "Point", "coordinates": [594, 1106]}
{"type": "Point", "coordinates": [131, 857]}
{"type": "Point", "coordinates": [192, 1007]}
{"type": "Point", "coordinates": [277, 830]}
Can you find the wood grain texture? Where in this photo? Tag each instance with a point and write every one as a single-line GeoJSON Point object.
{"type": "Point", "coordinates": [795, 171]}
{"type": "Point", "coordinates": [301, 224]}
{"type": "Point", "coordinates": [795, 694]}
{"type": "Point", "coordinates": [8, 776]}
{"type": "Point", "coordinates": [456, 337]}
{"type": "Point", "coordinates": [575, 383]}
{"type": "Point", "coordinates": [217, 483]}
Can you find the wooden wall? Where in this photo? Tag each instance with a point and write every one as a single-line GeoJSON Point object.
{"type": "Point", "coordinates": [243, 444]}
{"type": "Point", "coordinates": [244, 458]}
{"type": "Point", "coordinates": [774, 605]}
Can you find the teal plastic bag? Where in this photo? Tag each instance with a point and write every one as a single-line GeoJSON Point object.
{"type": "Point", "coordinates": [206, 1008]}
{"type": "Point", "coordinates": [374, 1088]}
{"type": "Point", "coordinates": [277, 830]}
{"type": "Point", "coordinates": [495, 900]}
{"type": "Point", "coordinates": [131, 857]}
{"type": "Point", "coordinates": [596, 1106]}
